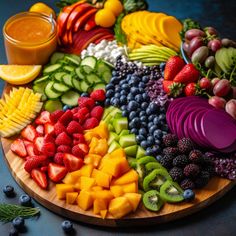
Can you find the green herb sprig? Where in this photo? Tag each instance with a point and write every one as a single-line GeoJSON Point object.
{"type": "Point", "coordinates": [9, 211]}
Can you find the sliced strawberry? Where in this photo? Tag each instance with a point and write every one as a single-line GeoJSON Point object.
{"type": "Point", "coordinates": [49, 138]}
{"type": "Point", "coordinates": [48, 149]}
{"type": "Point", "coordinates": [76, 151]}
{"type": "Point", "coordinates": [29, 133]}
{"type": "Point", "coordinates": [40, 178]}
{"type": "Point", "coordinates": [34, 162]}
{"type": "Point", "coordinates": [49, 128]}
{"type": "Point", "coordinates": [43, 118]}
{"type": "Point", "coordinates": [38, 142]}
{"type": "Point", "coordinates": [72, 163]}
{"type": "Point", "coordinates": [44, 168]}
{"type": "Point", "coordinates": [40, 129]}
{"type": "Point", "coordinates": [56, 115]}
{"type": "Point", "coordinates": [66, 117]}
{"type": "Point", "coordinates": [84, 147]}
{"type": "Point", "coordinates": [59, 128]}
{"type": "Point", "coordinates": [26, 142]}
{"type": "Point", "coordinates": [31, 150]}
{"type": "Point", "coordinates": [18, 147]}
{"type": "Point", "coordinates": [74, 127]}
{"type": "Point", "coordinates": [56, 172]}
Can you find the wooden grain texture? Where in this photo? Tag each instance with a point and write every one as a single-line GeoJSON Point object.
{"type": "Point", "coordinates": [215, 189]}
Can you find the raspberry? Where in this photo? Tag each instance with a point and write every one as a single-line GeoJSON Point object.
{"type": "Point", "coordinates": [86, 102]}
{"type": "Point", "coordinates": [63, 139]}
{"type": "Point", "coordinates": [81, 115]}
{"type": "Point", "coordinates": [48, 149]}
{"type": "Point", "coordinates": [75, 110]}
{"type": "Point", "coordinates": [58, 158]}
{"type": "Point", "coordinates": [74, 127]}
{"type": "Point", "coordinates": [90, 123]}
{"type": "Point", "coordinates": [59, 128]}
{"type": "Point", "coordinates": [98, 95]}
{"type": "Point", "coordinates": [79, 137]}
{"type": "Point", "coordinates": [56, 115]}
{"type": "Point", "coordinates": [34, 162]}
{"type": "Point", "coordinates": [64, 149]}
{"type": "Point", "coordinates": [75, 142]}
{"type": "Point", "coordinates": [48, 138]}
{"type": "Point", "coordinates": [66, 117]}
{"type": "Point", "coordinates": [97, 112]}
{"type": "Point", "coordinates": [77, 151]}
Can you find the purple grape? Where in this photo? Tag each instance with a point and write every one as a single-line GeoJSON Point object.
{"type": "Point", "coordinates": [217, 102]}
{"type": "Point", "coordinates": [230, 108]}
{"type": "Point", "coordinates": [222, 88]}
{"type": "Point", "coordinates": [192, 33]}
{"type": "Point", "coordinates": [214, 45]}
{"type": "Point", "coordinates": [194, 44]}
{"type": "Point", "coordinates": [186, 47]}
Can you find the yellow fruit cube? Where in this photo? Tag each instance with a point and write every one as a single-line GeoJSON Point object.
{"type": "Point", "coordinates": [102, 179]}
{"type": "Point", "coordinates": [103, 213]}
{"type": "Point", "coordinates": [134, 199]}
{"type": "Point", "coordinates": [99, 205]}
{"type": "Point", "coordinates": [86, 182]}
{"type": "Point", "coordinates": [71, 197]}
{"type": "Point", "coordinates": [85, 200]}
{"type": "Point", "coordinates": [62, 189]}
{"type": "Point", "coordinates": [117, 190]}
{"type": "Point", "coordinates": [128, 177]}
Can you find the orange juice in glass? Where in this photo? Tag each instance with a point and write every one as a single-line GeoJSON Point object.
{"type": "Point", "coordinates": [30, 38]}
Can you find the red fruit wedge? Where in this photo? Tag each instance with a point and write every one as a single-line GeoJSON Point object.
{"type": "Point", "coordinates": [84, 147]}
{"type": "Point", "coordinates": [31, 150]}
{"type": "Point", "coordinates": [18, 147]}
{"type": "Point", "coordinates": [72, 163]}
{"type": "Point", "coordinates": [90, 23]}
{"type": "Point", "coordinates": [38, 142]}
{"type": "Point", "coordinates": [49, 128]}
{"type": "Point", "coordinates": [40, 129]}
{"type": "Point", "coordinates": [43, 118]}
{"type": "Point", "coordinates": [40, 178]}
{"type": "Point", "coordinates": [56, 172]}
{"type": "Point", "coordinates": [29, 133]}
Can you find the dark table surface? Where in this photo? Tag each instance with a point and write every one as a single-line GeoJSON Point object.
{"type": "Point", "coordinates": [217, 219]}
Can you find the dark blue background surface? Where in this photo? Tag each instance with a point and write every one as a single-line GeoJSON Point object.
{"type": "Point", "coordinates": [219, 218]}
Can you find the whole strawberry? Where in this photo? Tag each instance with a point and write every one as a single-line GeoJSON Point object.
{"type": "Point", "coordinates": [173, 67]}
{"type": "Point", "coordinates": [172, 88]}
{"type": "Point", "coordinates": [187, 75]}
{"type": "Point", "coordinates": [190, 89]}
{"type": "Point", "coordinates": [98, 95]}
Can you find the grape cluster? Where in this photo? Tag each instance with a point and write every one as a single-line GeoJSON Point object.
{"type": "Point", "coordinates": [126, 90]}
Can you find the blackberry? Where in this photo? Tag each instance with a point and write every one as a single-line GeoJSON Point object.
{"type": "Point", "coordinates": [195, 156]}
{"type": "Point", "coordinates": [191, 170]}
{"type": "Point", "coordinates": [176, 173]}
{"type": "Point", "coordinates": [207, 161]}
{"type": "Point", "coordinates": [202, 180]}
{"type": "Point", "coordinates": [170, 140]}
{"type": "Point", "coordinates": [173, 151]}
{"type": "Point", "coordinates": [210, 169]}
{"type": "Point", "coordinates": [187, 184]}
{"type": "Point", "coordinates": [185, 145]}
{"type": "Point", "coordinates": [166, 161]}
{"type": "Point", "coordinates": [180, 161]}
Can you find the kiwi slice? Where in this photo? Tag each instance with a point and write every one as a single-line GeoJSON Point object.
{"type": "Point", "coordinates": [150, 166]}
{"type": "Point", "coordinates": [141, 173]}
{"type": "Point", "coordinates": [171, 192]}
{"type": "Point", "coordinates": [155, 179]}
{"type": "Point", "coordinates": [152, 200]}
{"type": "Point", "coordinates": [146, 159]}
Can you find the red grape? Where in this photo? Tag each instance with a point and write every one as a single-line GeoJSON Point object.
{"type": "Point", "coordinates": [217, 102]}
{"type": "Point", "coordinates": [200, 55]}
{"type": "Point", "coordinates": [205, 83]}
{"type": "Point", "coordinates": [230, 108]}
{"type": "Point", "coordinates": [226, 42]}
{"type": "Point", "coordinates": [186, 47]}
{"type": "Point", "coordinates": [215, 81]}
{"type": "Point", "coordinates": [192, 33]}
{"type": "Point", "coordinates": [222, 88]}
{"type": "Point", "coordinates": [214, 45]}
{"type": "Point", "coordinates": [210, 62]}
{"type": "Point", "coordinates": [194, 44]}
{"type": "Point", "coordinates": [233, 92]}
{"type": "Point", "coordinates": [211, 31]}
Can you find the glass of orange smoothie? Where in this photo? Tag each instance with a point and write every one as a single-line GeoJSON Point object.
{"type": "Point", "coordinates": [30, 38]}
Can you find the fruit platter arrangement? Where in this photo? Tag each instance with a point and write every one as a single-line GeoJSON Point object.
{"type": "Point", "coordinates": [116, 115]}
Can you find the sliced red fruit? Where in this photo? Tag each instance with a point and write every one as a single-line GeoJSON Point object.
{"type": "Point", "coordinates": [43, 118]}
{"type": "Point", "coordinates": [72, 163]}
{"type": "Point", "coordinates": [90, 23]}
{"type": "Point", "coordinates": [18, 147]}
{"type": "Point", "coordinates": [49, 149]}
{"type": "Point", "coordinates": [56, 172]}
{"type": "Point", "coordinates": [29, 133]}
{"type": "Point", "coordinates": [56, 115]}
{"type": "Point", "coordinates": [84, 147]}
{"type": "Point", "coordinates": [40, 178]}
{"type": "Point", "coordinates": [33, 162]}
{"type": "Point", "coordinates": [38, 142]}
{"type": "Point", "coordinates": [49, 128]}
{"type": "Point", "coordinates": [31, 150]}
{"type": "Point", "coordinates": [40, 129]}
{"type": "Point", "coordinates": [44, 168]}
{"type": "Point", "coordinates": [49, 138]}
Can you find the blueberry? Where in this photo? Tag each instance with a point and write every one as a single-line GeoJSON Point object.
{"type": "Point", "coordinates": [150, 124]}
{"type": "Point", "coordinates": [123, 92]}
{"type": "Point", "coordinates": [134, 91]}
{"type": "Point", "coordinates": [148, 111]}
{"type": "Point", "coordinates": [144, 105]}
{"type": "Point", "coordinates": [142, 113]}
{"type": "Point", "coordinates": [153, 107]}
{"type": "Point", "coordinates": [149, 151]}
{"type": "Point", "coordinates": [18, 222]}
{"type": "Point", "coordinates": [156, 120]}
{"type": "Point", "coordinates": [138, 98]}
{"type": "Point", "coordinates": [67, 226]}
{"type": "Point", "coordinates": [140, 138]}
{"type": "Point", "coordinates": [143, 132]}
{"type": "Point", "coordinates": [125, 87]}
{"type": "Point", "coordinates": [25, 200]}
{"type": "Point", "coordinates": [132, 125]}
{"type": "Point", "coordinates": [114, 80]}
{"type": "Point", "coordinates": [117, 89]}
{"type": "Point", "coordinates": [141, 85]}
{"type": "Point", "coordinates": [162, 66]}
{"type": "Point", "coordinates": [132, 106]}
{"type": "Point", "coordinates": [189, 195]}
{"type": "Point", "coordinates": [134, 131]}
{"type": "Point", "coordinates": [143, 119]}
{"type": "Point", "coordinates": [158, 157]}
{"type": "Point", "coordinates": [156, 148]}
{"type": "Point", "coordinates": [144, 144]}
{"type": "Point", "coordinates": [84, 95]}
{"type": "Point", "coordinates": [157, 141]}
{"type": "Point", "coordinates": [151, 139]}
{"type": "Point", "coordinates": [152, 129]}
{"type": "Point", "coordinates": [162, 117]}
{"type": "Point", "coordinates": [145, 97]}
{"type": "Point", "coordinates": [13, 232]}
{"type": "Point", "coordinates": [107, 102]}
{"type": "Point", "coordinates": [157, 134]}
{"type": "Point", "coordinates": [162, 74]}
{"type": "Point", "coordinates": [144, 124]}
{"type": "Point", "coordinates": [110, 93]}
{"type": "Point", "coordinates": [122, 82]}
{"type": "Point", "coordinates": [136, 122]}
{"type": "Point", "coordinates": [110, 86]}
{"type": "Point", "coordinates": [9, 191]}
{"type": "Point", "coordinates": [66, 107]}
{"type": "Point", "coordinates": [151, 118]}
{"type": "Point", "coordinates": [141, 91]}
{"type": "Point", "coordinates": [115, 102]}
{"type": "Point", "coordinates": [132, 115]}
{"type": "Point", "coordinates": [123, 99]}
{"type": "Point", "coordinates": [145, 79]}
{"type": "Point", "coordinates": [135, 79]}
{"type": "Point", "coordinates": [117, 95]}
{"type": "Point", "coordinates": [123, 107]}
{"type": "Point", "coordinates": [125, 113]}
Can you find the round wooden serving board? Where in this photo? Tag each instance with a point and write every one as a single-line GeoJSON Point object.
{"type": "Point", "coordinates": [215, 189]}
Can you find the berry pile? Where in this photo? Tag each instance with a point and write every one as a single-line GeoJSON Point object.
{"type": "Point", "coordinates": [126, 90]}
{"type": "Point", "coordinates": [186, 165]}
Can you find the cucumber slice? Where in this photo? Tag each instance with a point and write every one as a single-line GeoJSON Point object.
{"type": "Point", "coordinates": [84, 86]}
{"type": "Point", "coordinates": [99, 86]}
{"type": "Point", "coordinates": [50, 93]}
{"type": "Point", "coordinates": [41, 79]}
{"type": "Point", "coordinates": [53, 105]}
{"type": "Point", "coordinates": [56, 56]}
{"type": "Point", "coordinates": [101, 67]}
{"type": "Point", "coordinates": [58, 76]}
{"type": "Point", "coordinates": [93, 79]}
{"type": "Point", "coordinates": [89, 61]}
{"type": "Point", "coordinates": [70, 98]}
{"type": "Point", "coordinates": [69, 68]}
{"type": "Point", "coordinates": [52, 69]}
{"type": "Point", "coordinates": [106, 76]}
{"type": "Point", "coordinates": [87, 69]}
{"type": "Point", "coordinates": [80, 73]}
{"type": "Point", "coordinates": [67, 79]}
{"type": "Point", "coordinates": [76, 83]}
{"type": "Point", "coordinates": [59, 87]}
{"type": "Point", "coordinates": [39, 88]}
{"type": "Point", "coordinates": [73, 59]}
